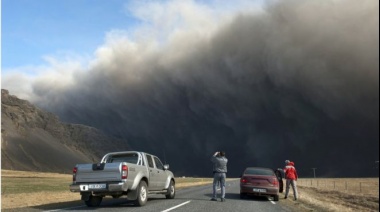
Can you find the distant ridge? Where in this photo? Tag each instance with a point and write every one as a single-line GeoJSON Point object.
{"type": "Point", "coordinates": [35, 140]}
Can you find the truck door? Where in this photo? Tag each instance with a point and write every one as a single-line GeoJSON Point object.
{"type": "Point", "coordinates": [153, 173]}
{"type": "Point", "coordinates": [162, 176]}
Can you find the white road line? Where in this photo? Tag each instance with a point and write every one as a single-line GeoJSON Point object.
{"type": "Point", "coordinates": [272, 202]}
{"type": "Point", "coordinates": [172, 208]}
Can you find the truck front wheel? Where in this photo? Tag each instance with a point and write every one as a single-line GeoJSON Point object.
{"type": "Point", "coordinates": [93, 201]}
{"type": "Point", "coordinates": [171, 191]}
{"type": "Point", "coordinates": [142, 194]}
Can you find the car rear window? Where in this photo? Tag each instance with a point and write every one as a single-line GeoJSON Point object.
{"type": "Point", "coordinates": [266, 172]}
{"type": "Point", "coordinates": [129, 158]}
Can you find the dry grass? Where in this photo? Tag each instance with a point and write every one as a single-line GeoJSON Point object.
{"type": "Point", "coordinates": [343, 194]}
{"type": "Point", "coordinates": [349, 185]}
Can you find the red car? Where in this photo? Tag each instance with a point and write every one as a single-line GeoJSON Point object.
{"type": "Point", "coordinates": [259, 182]}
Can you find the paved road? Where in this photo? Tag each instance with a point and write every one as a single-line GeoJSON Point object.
{"type": "Point", "coordinates": [187, 200]}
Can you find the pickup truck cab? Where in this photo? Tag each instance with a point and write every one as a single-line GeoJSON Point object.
{"type": "Point", "coordinates": [130, 173]}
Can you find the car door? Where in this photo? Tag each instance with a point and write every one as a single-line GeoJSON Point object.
{"type": "Point", "coordinates": [161, 174]}
{"type": "Point", "coordinates": [278, 173]}
{"type": "Point", "coordinates": [153, 175]}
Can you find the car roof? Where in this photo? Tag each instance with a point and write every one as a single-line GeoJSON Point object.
{"type": "Point", "coordinates": [258, 168]}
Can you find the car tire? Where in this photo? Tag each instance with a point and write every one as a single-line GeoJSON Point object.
{"type": "Point", "coordinates": [242, 195]}
{"type": "Point", "coordinates": [142, 194]}
{"type": "Point", "coordinates": [93, 201]}
{"type": "Point", "coordinates": [171, 190]}
{"type": "Point", "coordinates": [276, 197]}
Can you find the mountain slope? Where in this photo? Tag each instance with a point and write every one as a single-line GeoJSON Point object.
{"type": "Point", "coordinates": [36, 140]}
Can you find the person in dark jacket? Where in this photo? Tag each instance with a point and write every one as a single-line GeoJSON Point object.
{"type": "Point", "coordinates": [220, 170]}
{"type": "Point", "coordinates": [291, 178]}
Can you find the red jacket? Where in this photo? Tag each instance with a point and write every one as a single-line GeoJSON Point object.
{"type": "Point", "coordinates": [290, 172]}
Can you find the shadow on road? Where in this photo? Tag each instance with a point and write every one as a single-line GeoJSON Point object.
{"type": "Point", "coordinates": [80, 205]}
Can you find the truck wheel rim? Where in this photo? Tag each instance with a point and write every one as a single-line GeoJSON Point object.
{"type": "Point", "coordinates": [172, 189]}
{"type": "Point", "coordinates": [143, 193]}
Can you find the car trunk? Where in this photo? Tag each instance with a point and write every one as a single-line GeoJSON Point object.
{"type": "Point", "coordinates": [259, 180]}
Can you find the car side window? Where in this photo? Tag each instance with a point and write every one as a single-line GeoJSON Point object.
{"type": "Point", "coordinates": [158, 163]}
{"type": "Point", "coordinates": [150, 161]}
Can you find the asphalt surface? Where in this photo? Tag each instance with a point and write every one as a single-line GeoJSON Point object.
{"type": "Point", "coordinates": [186, 200]}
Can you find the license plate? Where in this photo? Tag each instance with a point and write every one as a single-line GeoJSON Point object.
{"type": "Point", "coordinates": [261, 190]}
{"type": "Point", "coordinates": [83, 187]}
{"type": "Point", "coordinates": [97, 186]}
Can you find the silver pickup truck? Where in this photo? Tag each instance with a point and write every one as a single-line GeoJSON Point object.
{"type": "Point", "coordinates": [131, 173]}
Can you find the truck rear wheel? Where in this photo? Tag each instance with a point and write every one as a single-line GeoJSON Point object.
{"type": "Point", "coordinates": [142, 194]}
{"type": "Point", "coordinates": [93, 201]}
{"type": "Point", "coordinates": [171, 191]}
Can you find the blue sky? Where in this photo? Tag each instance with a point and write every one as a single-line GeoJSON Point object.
{"type": "Point", "coordinates": [34, 28]}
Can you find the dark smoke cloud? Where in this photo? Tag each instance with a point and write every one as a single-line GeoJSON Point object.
{"type": "Point", "coordinates": [299, 81]}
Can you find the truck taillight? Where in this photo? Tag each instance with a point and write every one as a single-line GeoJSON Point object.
{"type": "Point", "coordinates": [75, 169]}
{"type": "Point", "coordinates": [124, 172]}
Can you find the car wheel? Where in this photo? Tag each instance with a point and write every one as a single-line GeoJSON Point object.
{"type": "Point", "coordinates": [276, 197]}
{"type": "Point", "coordinates": [142, 194]}
{"type": "Point", "coordinates": [171, 191]}
{"type": "Point", "coordinates": [93, 201]}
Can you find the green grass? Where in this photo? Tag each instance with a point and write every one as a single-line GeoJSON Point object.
{"type": "Point", "coordinates": [17, 185]}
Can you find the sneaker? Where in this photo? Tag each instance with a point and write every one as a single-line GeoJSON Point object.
{"type": "Point", "coordinates": [295, 198]}
{"type": "Point", "coordinates": [213, 199]}
{"type": "Point", "coordinates": [223, 199]}
{"type": "Point", "coordinates": [285, 197]}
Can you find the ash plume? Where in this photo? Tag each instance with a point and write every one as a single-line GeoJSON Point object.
{"type": "Point", "coordinates": [298, 80]}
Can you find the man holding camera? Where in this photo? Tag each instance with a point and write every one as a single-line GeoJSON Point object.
{"type": "Point", "coordinates": [220, 170]}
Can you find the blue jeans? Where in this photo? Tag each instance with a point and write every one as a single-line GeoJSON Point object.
{"type": "Point", "coordinates": [221, 178]}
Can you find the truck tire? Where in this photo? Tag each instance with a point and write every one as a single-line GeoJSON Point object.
{"type": "Point", "coordinates": [276, 197]}
{"type": "Point", "coordinates": [171, 190]}
{"type": "Point", "coordinates": [142, 194]}
{"type": "Point", "coordinates": [93, 201]}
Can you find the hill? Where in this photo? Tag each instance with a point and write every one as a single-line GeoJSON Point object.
{"type": "Point", "coordinates": [36, 140]}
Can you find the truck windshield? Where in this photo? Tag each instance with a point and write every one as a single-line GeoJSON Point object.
{"type": "Point", "coordinates": [129, 158]}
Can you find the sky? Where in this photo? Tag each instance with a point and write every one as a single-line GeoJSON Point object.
{"type": "Point", "coordinates": [265, 81]}
{"type": "Point", "coordinates": [34, 30]}
{"type": "Point", "coordinates": [39, 35]}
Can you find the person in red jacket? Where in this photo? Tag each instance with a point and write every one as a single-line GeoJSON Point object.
{"type": "Point", "coordinates": [291, 178]}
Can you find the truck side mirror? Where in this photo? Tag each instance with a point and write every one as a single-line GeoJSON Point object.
{"type": "Point", "coordinates": [166, 167]}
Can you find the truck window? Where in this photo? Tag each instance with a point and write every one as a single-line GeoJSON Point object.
{"type": "Point", "coordinates": [158, 163]}
{"type": "Point", "coordinates": [150, 161]}
{"type": "Point", "coordinates": [129, 158]}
